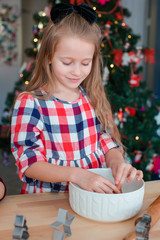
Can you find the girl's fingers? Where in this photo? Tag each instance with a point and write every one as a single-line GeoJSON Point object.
{"type": "Point", "coordinates": [139, 175]}
{"type": "Point", "coordinates": [112, 186]}
{"type": "Point", "coordinates": [118, 175]}
{"type": "Point", "coordinates": [131, 174]}
{"type": "Point", "coordinates": [106, 187]}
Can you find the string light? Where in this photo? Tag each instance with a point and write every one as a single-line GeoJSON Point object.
{"type": "Point", "coordinates": [42, 14]}
{"type": "Point", "coordinates": [129, 36]}
{"type": "Point", "coordinates": [26, 82]}
{"type": "Point", "coordinates": [102, 44]}
{"type": "Point", "coordinates": [40, 25]}
{"type": "Point", "coordinates": [21, 75]}
{"type": "Point", "coordinates": [99, 15]}
{"type": "Point", "coordinates": [123, 24]}
{"type": "Point", "coordinates": [35, 39]}
{"type": "Point", "coordinates": [111, 65]}
{"type": "Point", "coordinates": [137, 138]}
{"type": "Point", "coordinates": [94, 8]}
{"type": "Point", "coordinates": [115, 21]}
{"type": "Point", "coordinates": [35, 49]}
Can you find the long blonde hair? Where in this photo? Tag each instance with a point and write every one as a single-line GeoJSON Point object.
{"type": "Point", "coordinates": [74, 24]}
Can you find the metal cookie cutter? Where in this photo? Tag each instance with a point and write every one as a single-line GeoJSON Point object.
{"type": "Point", "coordinates": [64, 219]}
{"type": "Point", "coordinates": [21, 229]}
{"type": "Point", "coordinates": [143, 227]}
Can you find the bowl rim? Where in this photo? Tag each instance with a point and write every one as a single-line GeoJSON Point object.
{"type": "Point", "coordinates": [75, 186]}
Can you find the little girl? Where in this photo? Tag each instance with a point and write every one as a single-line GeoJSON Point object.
{"type": "Point", "coordinates": [63, 124]}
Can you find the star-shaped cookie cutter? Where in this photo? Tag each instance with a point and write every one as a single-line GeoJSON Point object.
{"type": "Point", "coordinates": [64, 219]}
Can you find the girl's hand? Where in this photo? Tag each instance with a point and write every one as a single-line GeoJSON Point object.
{"type": "Point", "coordinates": [93, 182]}
{"type": "Point", "coordinates": [122, 171]}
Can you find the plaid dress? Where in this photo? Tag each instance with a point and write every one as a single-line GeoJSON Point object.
{"type": "Point", "coordinates": [58, 132]}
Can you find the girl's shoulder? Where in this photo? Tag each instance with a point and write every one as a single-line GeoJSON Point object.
{"type": "Point", "coordinates": [31, 95]}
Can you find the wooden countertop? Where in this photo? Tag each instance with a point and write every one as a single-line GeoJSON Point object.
{"type": "Point", "coordinates": [41, 210]}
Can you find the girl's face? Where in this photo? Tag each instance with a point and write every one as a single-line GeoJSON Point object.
{"type": "Point", "coordinates": [72, 62]}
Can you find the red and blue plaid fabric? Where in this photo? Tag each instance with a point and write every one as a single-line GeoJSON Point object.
{"type": "Point", "coordinates": [57, 132]}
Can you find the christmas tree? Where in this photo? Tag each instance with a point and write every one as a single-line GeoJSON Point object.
{"type": "Point", "coordinates": [136, 111]}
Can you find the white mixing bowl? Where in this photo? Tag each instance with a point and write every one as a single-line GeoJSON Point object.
{"type": "Point", "coordinates": [107, 207]}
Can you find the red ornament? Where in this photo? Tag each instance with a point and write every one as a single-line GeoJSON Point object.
{"type": "Point", "coordinates": [156, 162]}
{"type": "Point", "coordinates": [118, 16]}
{"type": "Point", "coordinates": [103, 2]}
{"type": "Point", "coordinates": [120, 114]}
{"type": "Point", "coordinates": [138, 157]}
{"type": "Point", "coordinates": [118, 56]}
{"type": "Point", "coordinates": [134, 81]}
{"type": "Point", "coordinates": [76, 1]}
{"type": "Point", "coordinates": [132, 111]}
{"type": "Point", "coordinates": [149, 55]}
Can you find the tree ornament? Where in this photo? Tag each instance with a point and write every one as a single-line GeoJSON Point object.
{"type": "Point", "coordinates": [35, 30]}
{"type": "Point", "coordinates": [150, 166]}
{"type": "Point", "coordinates": [149, 55]}
{"type": "Point", "coordinates": [121, 118]}
{"type": "Point", "coordinates": [125, 59]}
{"type": "Point", "coordinates": [103, 2]}
{"type": "Point", "coordinates": [156, 162]}
{"type": "Point", "coordinates": [116, 120]}
{"type": "Point", "coordinates": [105, 75]}
{"type": "Point", "coordinates": [127, 45]}
{"type": "Point", "coordinates": [131, 111]}
{"type": "Point", "coordinates": [105, 13]}
{"type": "Point", "coordinates": [118, 15]}
{"type": "Point", "coordinates": [118, 56]}
{"type": "Point", "coordinates": [76, 1]}
{"type": "Point", "coordinates": [158, 131]}
{"type": "Point", "coordinates": [138, 156]}
{"type": "Point", "coordinates": [157, 118]}
{"type": "Point", "coordinates": [134, 81]}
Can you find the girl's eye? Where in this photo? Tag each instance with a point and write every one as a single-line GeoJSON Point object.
{"type": "Point", "coordinates": [85, 64]}
{"type": "Point", "coordinates": [66, 63]}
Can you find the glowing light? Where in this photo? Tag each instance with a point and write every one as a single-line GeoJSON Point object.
{"type": "Point", "coordinates": [137, 138]}
{"type": "Point", "coordinates": [129, 36]}
{"type": "Point", "coordinates": [115, 21]}
{"type": "Point", "coordinates": [99, 15]}
{"type": "Point", "coordinates": [102, 44]}
{"type": "Point", "coordinates": [40, 25]}
{"type": "Point", "coordinates": [111, 65]}
{"type": "Point", "coordinates": [42, 14]}
{"type": "Point", "coordinates": [35, 39]}
{"type": "Point", "coordinates": [21, 75]}
{"type": "Point", "coordinates": [35, 49]}
{"type": "Point", "coordinates": [94, 8]}
{"type": "Point", "coordinates": [26, 82]}
{"type": "Point", "coordinates": [123, 24]}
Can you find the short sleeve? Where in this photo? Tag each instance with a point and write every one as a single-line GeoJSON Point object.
{"type": "Point", "coordinates": [106, 143]}
{"type": "Point", "coordinates": [26, 134]}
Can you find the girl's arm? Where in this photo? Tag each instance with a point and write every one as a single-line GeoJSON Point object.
{"type": "Point", "coordinates": [87, 180]}
{"type": "Point", "coordinates": [2, 189]}
{"type": "Point", "coordinates": [121, 171]}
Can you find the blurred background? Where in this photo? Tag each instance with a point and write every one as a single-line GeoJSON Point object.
{"type": "Point", "coordinates": [131, 73]}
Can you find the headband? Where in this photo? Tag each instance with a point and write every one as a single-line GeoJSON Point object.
{"type": "Point", "coordinates": [61, 10]}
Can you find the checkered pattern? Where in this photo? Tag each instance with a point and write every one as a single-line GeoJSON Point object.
{"type": "Point", "coordinates": [58, 132]}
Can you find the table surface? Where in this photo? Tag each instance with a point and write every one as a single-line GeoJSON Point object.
{"type": "Point", "coordinates": [41, 210]}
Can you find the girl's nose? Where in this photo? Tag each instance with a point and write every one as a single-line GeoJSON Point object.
{"type": "Point", "coordinates": [76, 71]}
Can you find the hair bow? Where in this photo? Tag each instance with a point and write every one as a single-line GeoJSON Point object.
{"type": "Point", "coordinates": [61, 10]}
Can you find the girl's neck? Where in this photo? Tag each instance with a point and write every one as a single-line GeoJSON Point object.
{"type": "Point", "coordinates": [68, 95]}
